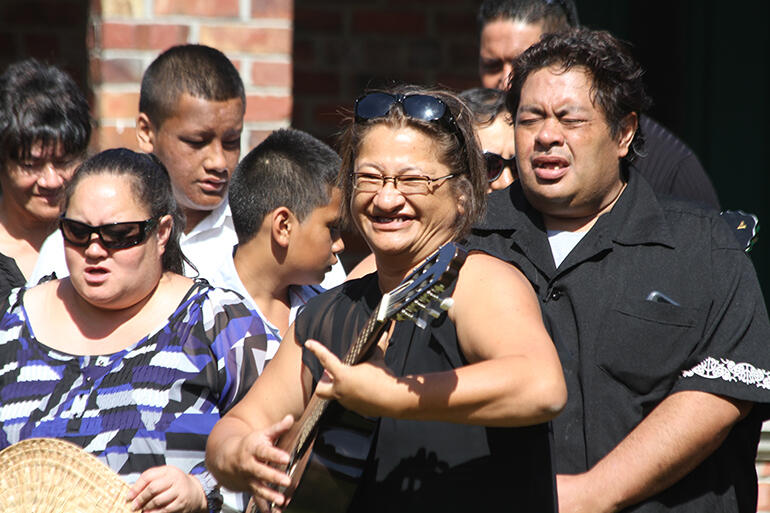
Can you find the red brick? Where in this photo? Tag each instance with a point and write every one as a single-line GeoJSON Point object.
{"type": "Point", "coordinates": [117, 70]}
{"type": "Point", "coordinates": [117, 105]}
{"type": "Point", "coordinates": [763, 498]}
{"type": "Point", "coordinates": [316, 82]}
{"type": "Point", "coordinates": [218, 8]}
{"type": "Point", "coordinates": [272, 9]}
{"type": "Point", "coordinates": [95, 7]}
{"type": "Point", "coordinates": [257, 136]}
{"type": "Point", "coordinates": [142, 37]}
{"type": "Point", "coordinates": [763, 470]}
{"type": "Point", "coordinates": [268, 108]}
{"type": "Point", "coordinates": [91, 37]}
{"type": "Point", "coordinates": [318, 20]}
{"type": "Point", "coordinates": [110, 137]}
{"type": "Point", "coordinates": [245, 39]}
{"type": "Point", "coordinates": [276, 74]}
{"type": "Point", "coordinates": [387, 22]}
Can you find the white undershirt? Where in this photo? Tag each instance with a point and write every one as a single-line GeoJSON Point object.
{"type": "Point", "coordinates": [562, 243]}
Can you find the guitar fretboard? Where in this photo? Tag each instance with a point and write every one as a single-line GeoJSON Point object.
{"type": "Point", "coordinates": [363, 342]}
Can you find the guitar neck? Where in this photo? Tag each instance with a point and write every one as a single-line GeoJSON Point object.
{"type": "Point", "coordinates": [316, 406]}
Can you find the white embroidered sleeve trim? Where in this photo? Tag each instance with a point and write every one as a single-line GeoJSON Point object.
{"type": "Point", "coordinates": [728, 370]}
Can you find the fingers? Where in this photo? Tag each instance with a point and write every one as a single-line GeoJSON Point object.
{"type": "Point", "coordinates": [149, 484]}
{"type": "Point", "coordinates": [275, 431]}
{"type": "Point", "coordinates": [329, 361]}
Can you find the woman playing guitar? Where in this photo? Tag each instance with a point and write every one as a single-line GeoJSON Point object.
{"type": "Point", "coordinates": [460, 406]}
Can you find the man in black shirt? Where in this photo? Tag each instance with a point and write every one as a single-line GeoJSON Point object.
{"type": "Point", "coordinates": [508, 27]}
{"type": "Point", "coordinates": [654, 308]}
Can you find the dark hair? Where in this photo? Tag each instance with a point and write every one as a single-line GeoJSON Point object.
{"type": "Point", "coordinates": [485, 104]}
{"type": "Point", "coordinates": [198, 70]}
{"type": "Point", "coordinates": [41, 104]}
{"type": "Point", "coordinates": [554, 15]}
{"type": "Point", "coordinates": [616, 77]}
{"type": "Point", "coordinates": [150, 185]}
{"type": "Point", "coordinates": [461, 157]}
{"type": "Point", "coordinates": [289, 169]}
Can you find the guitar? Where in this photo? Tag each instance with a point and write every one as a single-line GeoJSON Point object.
{"type": "Point", "coordinates": [326, 459]}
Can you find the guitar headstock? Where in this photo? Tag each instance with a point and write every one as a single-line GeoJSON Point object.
{"type": "Point", "coordinates": [425, 289]}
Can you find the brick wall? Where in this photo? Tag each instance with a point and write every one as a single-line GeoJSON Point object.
{"type": "Point", "coordinates": [343, 46]}
{"type": "Point", "coordinates": [126, 35]}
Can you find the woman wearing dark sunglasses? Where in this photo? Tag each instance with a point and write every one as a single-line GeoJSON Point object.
{"type": "Point", "coordinates": [451, 400]}
{"type": "Point", "coordinates": [494, 127]}
{"type": "Point", "coordinates": [126, 357]}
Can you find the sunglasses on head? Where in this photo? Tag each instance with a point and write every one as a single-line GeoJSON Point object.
{"type": "Point", "coordinates": [496, 163]}
{"type": "Point", "coordinates": [111, 236]}
{"type": "Point", "coordinates": [416, 106]}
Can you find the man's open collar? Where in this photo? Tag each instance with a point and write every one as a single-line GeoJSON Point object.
{"type": "Point", "coordinates": [636, 218]}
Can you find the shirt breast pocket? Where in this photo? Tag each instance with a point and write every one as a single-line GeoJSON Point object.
{"type": "Point", "coordinates": [644, 344]}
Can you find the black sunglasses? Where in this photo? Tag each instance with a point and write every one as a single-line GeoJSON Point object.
{"type": "Point", "coordinates": [112, 236]}
{"type": "Point", "coordinates": [417, 106]}
{"type": "Point", "coordinates": [496, 163]}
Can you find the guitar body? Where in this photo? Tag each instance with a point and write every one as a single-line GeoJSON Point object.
{"type": "Point", "coordinates": [331, 468]}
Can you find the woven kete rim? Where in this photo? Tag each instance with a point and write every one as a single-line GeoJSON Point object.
{"type": "Point", "coordinates": [51, 475]}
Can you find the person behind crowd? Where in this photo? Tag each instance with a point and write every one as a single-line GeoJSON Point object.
{"type": "Point", "coordinates": [191, 108]}
{"type": "Point", "coordinates": [413, 179]}
{"type": "Point", "coordinates": [653, 305]}
{"type": "Point", "coordinates": [285, 209]}
{"type": "Point", "coordinates": [45, 127]}
{"type": "Point", "coordinates": [125, 357]}
{"type": "Point", "coordinates": [508, 27]}
{"type": "Point", "coordinates": [494, 127]}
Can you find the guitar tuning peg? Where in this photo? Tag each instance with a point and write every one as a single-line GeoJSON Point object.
{"type": "Point", "coordinates": [446, 303]}
{"type": "Point", "coordinates": [433, 312]}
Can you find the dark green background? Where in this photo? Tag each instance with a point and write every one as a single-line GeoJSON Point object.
{"type": "Point", "coordinates": [707, 71]}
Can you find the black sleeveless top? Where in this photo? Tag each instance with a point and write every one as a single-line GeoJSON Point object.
{"type": "Point", "coordinates": [421, 466]}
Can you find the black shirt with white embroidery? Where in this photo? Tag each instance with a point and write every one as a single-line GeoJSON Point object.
{"type": "Point", "coordinates": [657, 298]}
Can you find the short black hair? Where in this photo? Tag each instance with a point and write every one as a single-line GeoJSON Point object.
{"type": "Point", "coordinates": [41, 104]}
{"type": "Point", "coordinates": [616, 77]}
{"type": "Point", "coordinates": [151, 187]}
{"type": "Point", "coordinates": [291, 169]}
{"type": "Point", "coordinates": [485, 104]}
{"type": "Point", "coordinates": [554, 15]}
{"type": "Point", "coordinates": [198, 70]}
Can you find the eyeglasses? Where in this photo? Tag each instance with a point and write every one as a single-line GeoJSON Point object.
{"type": "Point", "coordinates": [417, 106]}
{"type": "Point", "coordinates": [112, 236]}
{"type": "Point", "coordinates": [496, 163]}
{"type": "Point", "coordinates": [405, 184]}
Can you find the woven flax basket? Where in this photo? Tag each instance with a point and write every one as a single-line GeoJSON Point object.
{"type": "Point", "coordinates": [47, 475]}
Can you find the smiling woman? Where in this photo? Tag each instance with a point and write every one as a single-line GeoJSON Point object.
{"type": "Point", "coordinates": [413, 179]}
{"type": "Point", "coordinates": [44, 132]}
{"type": "Point", "coordinates": [126, 357]}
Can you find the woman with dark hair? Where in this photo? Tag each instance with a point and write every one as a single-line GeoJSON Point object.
{"type": "Point", "coordinates": [451, 400]}
{"type": "Point", "coordinates": [44, 132]}
{"type": "Point", "coordinates": [126, 357]}
{"type": "Point", "coordinates": [494, 127]}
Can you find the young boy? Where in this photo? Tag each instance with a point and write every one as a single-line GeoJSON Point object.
{"type": "Point", "coordinates": [191, 108]}
{"type": "Point", "coordinates": [285, 209]}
